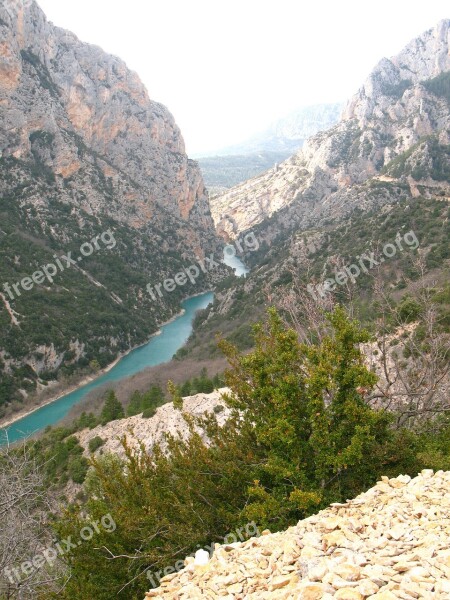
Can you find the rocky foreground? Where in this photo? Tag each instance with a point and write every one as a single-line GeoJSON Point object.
{"type": "Point", "coordinates": [390, 542]}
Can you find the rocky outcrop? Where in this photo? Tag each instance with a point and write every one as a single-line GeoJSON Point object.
{"type": "Point", "coordinates": [71, 108]}
{"type": "Point", "coordinates": [402, 104]}
{"type": "Point", "coordinates": [83, 151]}
{"type": "Point", "coordinates": [389, 543]}
{"type": "Point", "coordinates": [148, 432]}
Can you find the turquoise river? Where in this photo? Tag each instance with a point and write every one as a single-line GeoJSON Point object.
{"type": "Point", "coordinates": [159, 349]}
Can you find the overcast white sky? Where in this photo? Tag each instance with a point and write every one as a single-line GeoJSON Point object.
{"type": "Point", "coordinates": [227, 68]}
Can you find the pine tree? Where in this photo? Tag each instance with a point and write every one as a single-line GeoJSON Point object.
{"type": "Point", "coordinates": [186, 388]}
{"type": "Point", "coordinates": [112, 409]}
{"type": "Point", "coordinates": [177, 399]}
{"type": "Point", "coordinates": [135, 405]}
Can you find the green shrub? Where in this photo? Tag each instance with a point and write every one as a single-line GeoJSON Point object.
{"type": "Point", "coordinates": [78, 467]}
{"type": "Point", "coordinates": [112, 409]}
{"type": "Point", "coordinates": [409, 310]}
{"type": "Point", "coordinates": [149, 413]}
{"type": "Point", "coordinates": [95, 443]}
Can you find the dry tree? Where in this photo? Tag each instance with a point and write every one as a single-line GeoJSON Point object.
{"type": "Point", "coordinates": [411, 356]}
{"type": "Point", "coordinates": [25, 505]}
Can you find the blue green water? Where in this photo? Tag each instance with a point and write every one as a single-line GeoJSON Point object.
{"type": "Point", "coordinates": [236, 264]}
{"type": "Point", "coordinates": [158, 350]}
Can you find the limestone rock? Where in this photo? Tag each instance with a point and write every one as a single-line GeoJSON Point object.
{"type": "Point", "coordinates": [74, 108]}
{"type": "Point", "coordinates": [390, 114]}
{"type": "Point", "coordinates": [167, 419]}
{"type": "Point", "coordinates": [361, 563]}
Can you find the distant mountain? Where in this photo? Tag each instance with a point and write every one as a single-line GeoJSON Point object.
{"type": "Point", "coordinates": [288, 133]}
{"type": "Point", "coordinates": [83, 151]}
{"type": "Point", "coordinates": [235, 164]}
{"type": "Point", "coordinates": [393, 142]}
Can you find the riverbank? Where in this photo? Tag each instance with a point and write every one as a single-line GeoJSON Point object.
{"type": "Point", "coordinates": [8, 421]}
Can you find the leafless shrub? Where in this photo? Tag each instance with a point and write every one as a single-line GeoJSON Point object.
{"type": "Point", "coordinates": [24, 532]}
{"type": "Point", "coordinates": [411, 359]}
{"type": "Point", "coordinates": [301, 311]}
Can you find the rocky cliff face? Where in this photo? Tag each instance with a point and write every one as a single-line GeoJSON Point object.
{"type": "Point", "coordinates": [403, 107]}
{"type": "Point", "coordinates": [83, 150]}
{"type": "Point", "coordinates": [65, 103]}
{"type": "Point", "coordinates": [148, 432]}
{"type": "Point", "coordinates": [389, 543]}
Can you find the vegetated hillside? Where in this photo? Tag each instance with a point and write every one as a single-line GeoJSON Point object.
{"type": "Point", "coordinates": [300, 435]}
{"type": "Point", "coordinates": [146, 419]}
{"type": "Point", "coordinates": [85, 151]}
{"type": "Point", "coordinates": [388, 543]}
{"type": "Point", "coordinates": [223, 172]}
{"type": "Point", "coordinates": [315, 254]}
{"type": "Point", "coordinates": [387, 162]}
{"type": "Point", "coordinates": [400, 117]}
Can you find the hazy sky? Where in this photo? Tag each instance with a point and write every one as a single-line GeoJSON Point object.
{"type": "Point", "coordinates": [226, 69]}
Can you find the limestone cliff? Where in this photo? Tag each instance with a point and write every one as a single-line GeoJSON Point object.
{"type": "Point", "coordinates": [65, 103]}
{"type": "Point", "coordinates": [403, 107]}
{"type": "Point", "coordinates": [84, 150]}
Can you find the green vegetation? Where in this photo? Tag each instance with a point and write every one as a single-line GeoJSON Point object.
{"type": "Point", "coordinates": [440, 85]}
{"type": "Point", "coordinates": [300, 436]}
{"type": "Point", "coordinates": [146, 403]}
{"type": "Point", "coordinates": [426, 159]}
{"type": "Point", "coordinates": [227, 171]}
{"type": "Point", "coordinates": [62, 456]}
{"type": "Point", "coordinates": [201, 385]}
{"type": "Point", "coordinates": [96, 443]}
{"type": "Point", "coordinates": [396, 90]}
{"type": "Point", "coordinates": [112, 409]}
{"type": "Point", "coordinates": [408, 310]}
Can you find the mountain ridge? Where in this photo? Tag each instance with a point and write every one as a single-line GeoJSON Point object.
{"type": "Point", "coordinates": [85, 151]}
{"type": "Point", "coordinates": [386, 118]}
{"type": "Point", "coordinates": [287, 133]}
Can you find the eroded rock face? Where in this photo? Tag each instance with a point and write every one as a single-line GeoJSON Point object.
{"type": "Point", "coordinates": [67, 105]}
{"type": "Point", "coordinates": [83, 150]}
{"type": "Point", "coordinates": [167, 420]}
{"type": "Point", "coordinates": [389, 543]}
{"type": "Point", "coordinates": [390, 114]}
